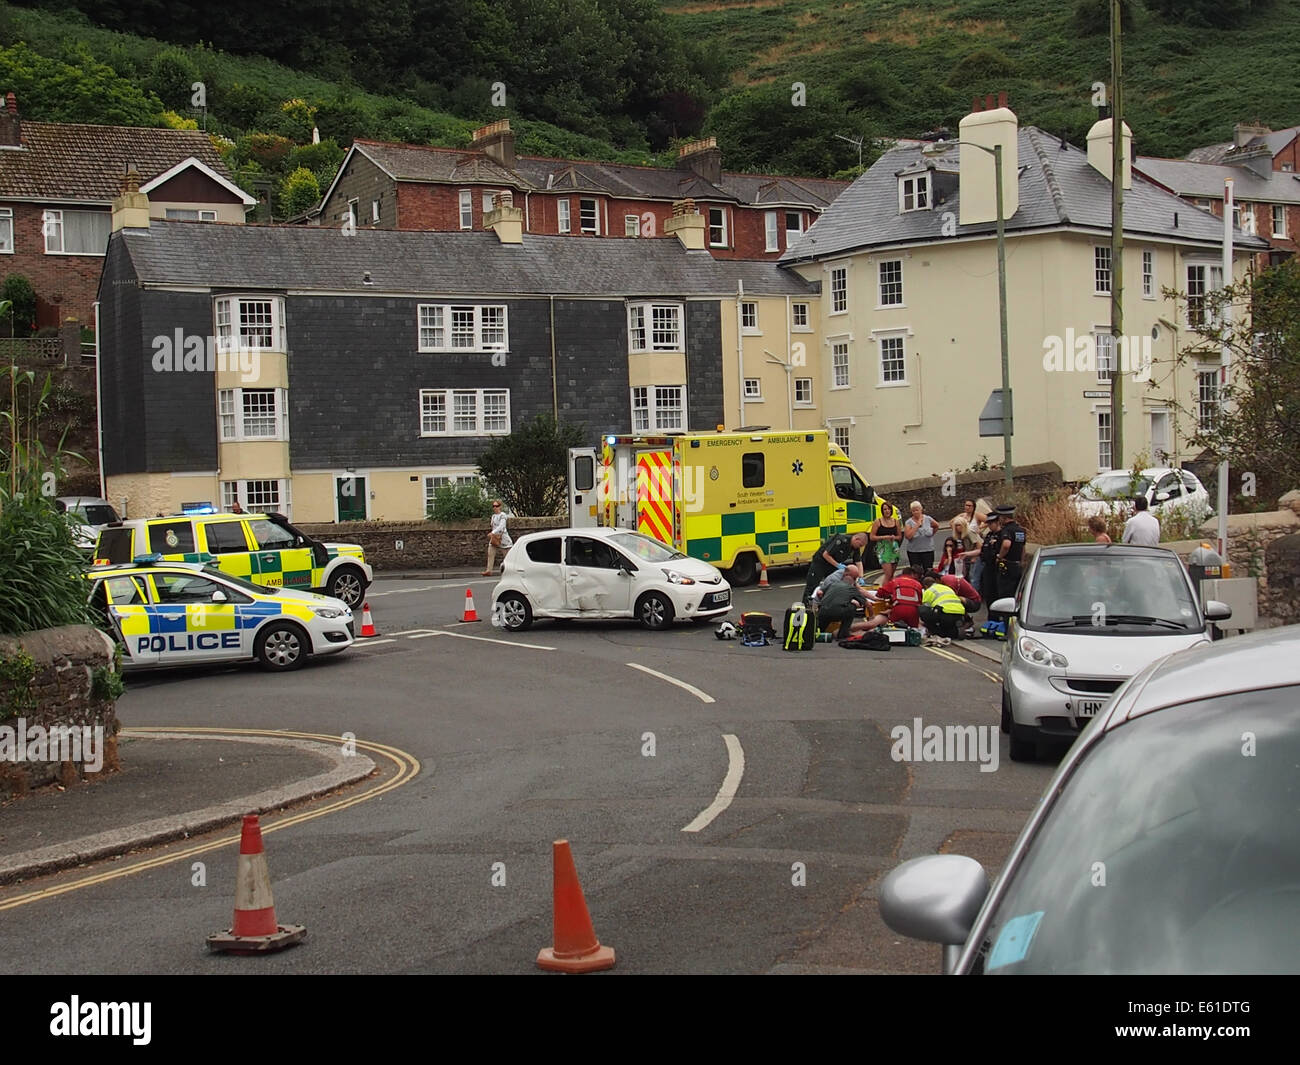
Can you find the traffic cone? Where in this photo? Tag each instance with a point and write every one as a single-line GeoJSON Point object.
{"type": "Point", "coordinates": [470, 613]}
{"type": "Point", "coordinates": [367, 622]}
{"type": "Point", "coordinates": [762, 578]}
{"type": "Point", "coordinates": [255, 930]}
{"type": "Point", "coordinates": [576, 948]}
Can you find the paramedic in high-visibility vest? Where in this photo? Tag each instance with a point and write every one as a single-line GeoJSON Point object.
{"type": "Point", "coordinates": [941, 608]}
{"type": "Point", "coordinates": [839, 551]}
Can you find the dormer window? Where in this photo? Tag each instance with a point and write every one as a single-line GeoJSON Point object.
{"type": "Point", "coordinates": [914, 192]}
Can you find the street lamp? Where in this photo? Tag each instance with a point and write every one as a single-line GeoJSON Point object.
{"type": "Point", "coordinates": [996, 152]}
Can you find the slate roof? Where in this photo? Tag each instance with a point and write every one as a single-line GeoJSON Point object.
{"type": "Point", "coordinates": [1057, 188]}
{"type": "Point", "coordinates": [1206, 180]}
{"type": "Point", "coordinates": [85, 163]}
{"type": "Point", "coordinates": [409, 162]}
{"type": "Point", "coordinates": [311, 258]}
{"type": "Point", "coordinates": [1274, 141]}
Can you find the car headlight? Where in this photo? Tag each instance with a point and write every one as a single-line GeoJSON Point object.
{"type": "Point", "coordinates": [327, 612]}
{"type": "Point", "coordinates": [1033, 651]}
{"type": "Point", "coordinates": [676, 578]}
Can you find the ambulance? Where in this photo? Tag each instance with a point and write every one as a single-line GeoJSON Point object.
{"type": "Point", "coordinates": [739, 500]}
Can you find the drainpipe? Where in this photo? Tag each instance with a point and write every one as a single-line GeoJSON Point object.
{"type": "Point", "coordinates": [788, 368]}
{"type": "Point", "coordinates": [740, 346]}
{"type": "Point", "coordinates": [528, 223]}
{"type": "Point", "coordinates": [789, 364]}
{"type": "Point", "coordinates": [99, 412]}
{"type": "Point", "coordinates": [555, 394]}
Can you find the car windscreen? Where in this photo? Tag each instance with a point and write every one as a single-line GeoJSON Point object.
{"type": "Point", "coordinates": [1115, 486]}
{"type": "Point", "coordinates": [95, 514]}
{"type": "Point", "coordinates": [643, 547]}
{"type": "Point", "coordinates": [1109, 592]}
{"type": "Point", "coordinates": [1174, 847]}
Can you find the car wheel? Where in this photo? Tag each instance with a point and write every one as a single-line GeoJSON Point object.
{"type": "Point", "coordinates": [1022, 749]}
{"type": "Point", "coordinates": [347, 583]}
{"type": "Point", "coordinates": [745, 571]}
{"type": "Point", "coordinates": [281, 647]}
{"type": "Point", "coordinates": [655, 611]}
{"type": "Point", "coordinates": [1006, 711]}
{"type": "Point", "coordinates": [516, 614]}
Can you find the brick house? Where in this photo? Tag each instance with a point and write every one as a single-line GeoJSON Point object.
{"type": "Point", "coordinates": [403, 186]}
{"type": "Point", "coordinates": [57, 184]}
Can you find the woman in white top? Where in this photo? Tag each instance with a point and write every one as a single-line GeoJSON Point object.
{"type": "Point", "coordinates": [498, 536]}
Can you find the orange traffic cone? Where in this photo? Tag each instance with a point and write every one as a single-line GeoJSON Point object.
{"type": "Point", "coordinates": [762, 578]}
{"type": "Point", "coordinates": [470, 613]}
{"type": "Point", "coordinates": [576, 949]}
{"type": "Point", "coordinates": [255, 930]}
{"type": "Point", "coordinates": [367, 622]}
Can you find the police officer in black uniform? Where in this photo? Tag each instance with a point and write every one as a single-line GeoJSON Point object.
{"type": "Point", "coordinates": [988, 588]}
{"type": "Point", "coordinates": [1011, 551]}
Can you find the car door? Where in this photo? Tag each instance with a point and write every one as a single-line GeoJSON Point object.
{"type": "Point", "coordinates": [125, 603]}
{"type": "Point", "coordinates": [279, 560]}
{"type": "Point", "coordinates": [195, 618]}
{"type": "Point", "coordinates": [597, 578]}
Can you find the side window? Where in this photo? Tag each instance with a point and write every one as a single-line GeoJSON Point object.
{"type": "Point", "coordinates": [545, 550]}
{"type": "Point", "coordinates": [115, 545]}
{"type": "Point", "coordinates": [269, 536]}
{"type": "Point", "coordinates": [225, 537]}
{"type": "Point", "coordinates": [605, 556]}
{"type": "Point", "coordinates": [584, 473]}
{"type": "Point", "coordinates": [124, 591]}
{"type": "Point", "coordinates": [848, 485]}
{"type": "Point", "coordinates": [1170, 483]}
{"type": "Point", "coordinates": [172, 537]}
{"type": "Point", "coordinates": [581, 551]}
{"type": "Point", "coordinates": [752, 471]}
{"type": "Point", "coordinates": [183, 588]}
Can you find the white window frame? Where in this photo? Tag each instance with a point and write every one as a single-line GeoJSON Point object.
{"type": "Point", "coordinates": [563, 219]}
{"type": "Point", "coordinates": [721, 226]}
{"type": "Point", "coordinates": [840, 437]}
{"type": "Point", "coordinates": [188, 214]}
{"type": "Point", "coordinates": [881, 283]}
{"type": "Point", "coordinates": [449, 397]}
{"type": "Point", "coordinates": [488, 196]}
{"type": "Point", "coordinates": [1103, 347]}
{"type": "Point", "coordinates": [466, 208]}
{"type": "Point", "coordinates": [1207, 399]}
{"type": "Point", "coordinates": [914, 193]}
{"type": "Point", "coordinates": [753, 390]}
{"type": "Point", "coordinates": [1206, 285]}
{"type": "Point", "coordinates": [583, 227]}
{"type": "Point", "coordinates": [52, 221]}
{"type": "Point", "coordinates": [792, 235]}
{"type": "Point", "coordinates": [1148, 274]}
{"type": "Point", "coordinates": [354, 211]}
{"type": "Point", "coordinates": [6, 231]}
{"type": "Point", "coordinates": [840, 300]}
{"type": "Point", "coordinates": [840, 360]}
{"type": "Point", "coordinates": [1105, 438]}
{"type": "Point", "coordinates": [1278, 211]}
{"type": "Point", "coordinates": [631, 225]}
{"type": "Point", "coordinates": [749, 318]}
{"type": "Point", "coordinates": [653, 404]}
{"type": "Point", "coordinates": [229, 316]}
{"type": "Point", "coordinates": [233, 415]}
{"type": "Point", "coordinates": [641, 320]}
{"type": "Point", "coordinates": [431, 318]}
{"type": "Point", "coordinates": [807, 383]}
{"type": "Point", "coordinates": [431, 482]}
{"type": "Point", "coordinates": [771, 231]}
{"type": "Point", "coordinates": [883, 339]}
{"type": "Point", "coordinates": [374, 211]}
{"type": "Point", "coordinates": [1103, 273]}
{"type": "Point", "coordinates": [795, 325]}
{"type": "Point", "coordinates": [241, 490]}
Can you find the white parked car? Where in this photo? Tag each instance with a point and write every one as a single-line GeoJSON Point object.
{"type": "Point", "coordinates": [91, 515]}
{"type": "Point", "coordinates": [1165, 489]}
{"type": "Point", "coordinates": [605, 573]}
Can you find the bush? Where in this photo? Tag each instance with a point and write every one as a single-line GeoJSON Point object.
{"type": "Point", "coordinates": [172, 75]}
{"type": "Point", "coordinates": [299, 193]}
{"type": "Point", "coordinates": [530, 467]}
{"type": "Point", "coordinates": [41, 582]}
{"type": "Point", "coordinates": [460, 502]}
{"type": "Point", "coordinates": [19, 292]}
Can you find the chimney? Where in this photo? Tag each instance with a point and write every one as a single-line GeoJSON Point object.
{"type": "Point", "coordinates": [1244, 132]}
{"type": "Point", "coordinates": [131, 206]}
{"type": "Point", "coordinates": [702, 157]}
{"type": "Point", "coordinates": [996, 124]}
{"type": "Point", "coordinates": [497, 142]}
{"type": "Point", "coordinates": [1099, 150]}
{"type": "Point", "coordinates": [11, 133]}
{"type": "Point", "coordinates": [505, 219]}
{"type": "Point", "coordinates": [687, 224]}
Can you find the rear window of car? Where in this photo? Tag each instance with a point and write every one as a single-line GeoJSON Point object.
{"type": "Point", "coordinates": [547, 550]}
{"type": "Point", "coordinates": [96, 514]}
{"type": "Point", "coordinates": [115, 545]}
{"type": "Point", "coordinates": [172, 537]}
{"type": "Point", "coordinates": [225, 537]}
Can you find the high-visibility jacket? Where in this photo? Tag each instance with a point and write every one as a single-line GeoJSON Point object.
{"type": "Point", "coordinates": [943, 599]}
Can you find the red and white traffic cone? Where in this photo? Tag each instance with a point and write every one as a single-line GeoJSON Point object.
{"type": "Point", "coordinates": [762, 578]}
{"type": "Point", "coordinates": [255, 930]}
{"type": "Point", "coordinates": [575, 948]}
{"type": "Point", "coordinates": [367, 622]}
{"type": "Point", "coordinates": [470, 613]}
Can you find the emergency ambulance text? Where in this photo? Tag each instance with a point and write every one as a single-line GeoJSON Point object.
{"type": "Point", "coordinates": [180, 353]}
{"type": "Point", "coordinates": [58, 743]}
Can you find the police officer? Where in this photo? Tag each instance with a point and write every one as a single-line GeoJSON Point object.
{"type": "Point", "coordinates": [839, 551]}
{"type": "Point", "coordinates": [1011, 551]}
{"type": "Point", "coordinates": [988, 588]}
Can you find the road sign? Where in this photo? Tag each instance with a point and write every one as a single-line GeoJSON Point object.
{"type": "Point", "coordinates": [991, 416]}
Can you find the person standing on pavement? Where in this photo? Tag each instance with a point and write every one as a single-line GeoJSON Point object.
{"type": "Point", "coordinates": [498, 537]}
{"type": "Point", "coordinates": [919, 533]}
{"type": "Point", "coordinates": [1143, 529]}
{"type": "Point", "coordinates": [885, 535]}
{"type": "Point", "coordinates": [1011, 552]}
{"type": "Point", "coordinates": [988, 559]}
{"type": "Point", "coordinates": [837, 552]}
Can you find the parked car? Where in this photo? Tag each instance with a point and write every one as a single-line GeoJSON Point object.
{"type": "Point", "coordinates": [1168, 841]}
{"type": "Point", "coordinates": [1085, 618]}
{"type": "Point", "coordinates": [605, 573]}
{"type": "Point", "coordinates": [1164, 488]}
{"type": "Point", "coordinates": [91, 515]}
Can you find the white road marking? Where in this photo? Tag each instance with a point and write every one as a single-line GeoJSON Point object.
{"type": "Point", "coordinates": [407, 632]}
{"type": "Point", "coordinates": [486, 639]}
{"type": "Point", "coordinates": [702, 696]}
{"type": "Point", "coordinates": [401, 591]}
{"type": "Point", "coordinates": [370, 641]}
{"type": "Point", "coordinates": [730, 785]}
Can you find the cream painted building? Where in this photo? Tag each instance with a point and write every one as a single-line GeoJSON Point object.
{"type": "Point", "coordinates": [907, 260]}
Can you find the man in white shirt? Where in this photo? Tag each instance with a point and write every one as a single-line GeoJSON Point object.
{"type": "Point", "coordinates": [1143, 529]}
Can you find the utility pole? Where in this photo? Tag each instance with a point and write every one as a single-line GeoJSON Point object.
{"type": "Point", "coordinates": [1008, 475]}
{"type": "Point", "coordinates": [1116, 237]}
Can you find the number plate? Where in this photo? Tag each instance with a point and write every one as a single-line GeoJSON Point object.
{"type": "Point", "coordinates": [1089, 707]}
{"type": "Point", "coordinates": [718, 598]}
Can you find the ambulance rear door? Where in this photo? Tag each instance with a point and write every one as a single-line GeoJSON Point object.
{"type": "Point", "coordinates": [584, 479]}
{"type": "Point", "coordinates": [654, 494]}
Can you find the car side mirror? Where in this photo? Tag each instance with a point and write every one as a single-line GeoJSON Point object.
{"type": "Point", "coordinates": [1161, 496]}
{"type": "Point", "coordinates": [219, 596]}
{"type": "Point", "coordinates": [1217, 611]}
{"type": "Point", "coordinates": [935, 898]}
{"type": "Point", "coordinates": [1007, 605]}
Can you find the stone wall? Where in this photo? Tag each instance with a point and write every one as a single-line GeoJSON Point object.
{"type": "Point", "coordinates": [58, 690]}
{"type": "Point", "coordinates": [942, 497]}
{"type": "Point", "coordinates": [424, 544]}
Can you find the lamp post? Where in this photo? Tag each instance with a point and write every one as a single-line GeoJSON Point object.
{"type": "Point", "coordinates": [996, 152]}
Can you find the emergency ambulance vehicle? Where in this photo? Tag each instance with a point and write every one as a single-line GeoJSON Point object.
{"type": "Point", "coordinates": [739, 500]}
{"type": "Point", "coordinates": [187, 613]}
{"type": "Point", "coordinates": [263, 549]}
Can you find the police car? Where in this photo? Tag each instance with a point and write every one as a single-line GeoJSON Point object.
{"type": "Point", "coordinates": [190, 613]}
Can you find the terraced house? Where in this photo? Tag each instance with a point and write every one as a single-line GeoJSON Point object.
{"type": "Point", "coordinates": [910, 317]}
{"type": "Point", "coordinates": [334, 377]}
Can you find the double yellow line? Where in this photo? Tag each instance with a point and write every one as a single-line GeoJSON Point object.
{"type": "Point", "coordinates": [407, 766]}
{"type": "Point", "coordinates": [942, 653]}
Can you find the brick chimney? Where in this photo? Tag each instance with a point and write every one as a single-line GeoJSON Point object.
{"type": "Point", "coordinates": [686, 224]}
{"type": "Point", "coordinates": [702, 157]}
{"type": "Point", "coordinates": [505, 219]}
{"type": "Point", "coordinates": [131, 206]}
{"type": "Point", "coordinates": [11, 132]}
{"type": "Point", "coordinates": [497, 142]}
{"type": "Point", "coordinates": [991, 125]}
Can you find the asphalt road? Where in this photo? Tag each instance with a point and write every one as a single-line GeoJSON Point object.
{"type": "Point", "coordinates": [561, 732]}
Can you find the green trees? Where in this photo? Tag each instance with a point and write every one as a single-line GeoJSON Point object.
{"type": "Point", "coordinates": [530, 467]}
{"type": "Point", "coordinates": [19, 303]}
{"type": "Point", "coordinates": [82, 90]}
{"type": "Point", "coordinates": [299, 192]}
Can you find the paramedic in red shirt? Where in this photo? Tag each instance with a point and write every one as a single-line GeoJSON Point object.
{"type": "Point", "coordinates": [905, 592]}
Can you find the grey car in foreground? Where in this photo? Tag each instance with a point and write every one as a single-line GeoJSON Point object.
{"type": "Point", "coordinates": [1167, 842]}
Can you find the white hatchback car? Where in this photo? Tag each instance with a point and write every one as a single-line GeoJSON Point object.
{"type": "Point", "coordinates": [605, 573]}
{"type": "Point", "coordinates": [1165, 489]}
